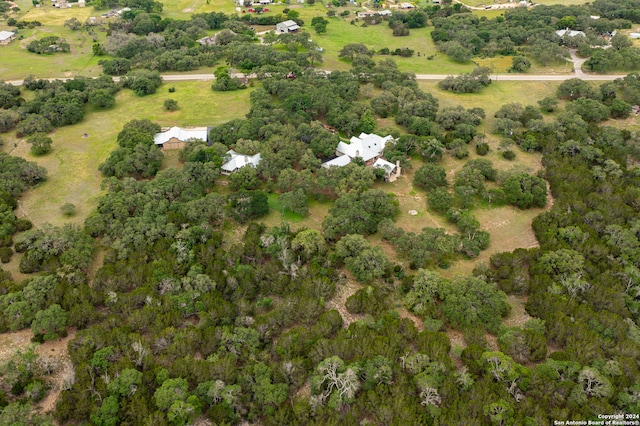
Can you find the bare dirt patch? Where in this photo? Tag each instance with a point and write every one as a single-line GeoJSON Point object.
{"type": "Point", "coordinates": [56, 350]}
{"type": "Point", "coordinates": [456, 338]}
{"type": "Point", "coordinates": [404, 313]}
{"type": "Point", "coordinates": [493, 342]}
{"type": "Point", "coordinates": [59, 352]}
{"type": "Point", "coordinates": [518, 316]}
{"type": "Point", "coordinates": [304, 391]}
{"type": "Point", "coordinates": [13, 341]}
{"type": "Point", "coordinates": [347, 288]}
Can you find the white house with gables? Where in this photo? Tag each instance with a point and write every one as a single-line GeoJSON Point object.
{"type": "Point", "coordinates": [237, 161]}
{"type": "Point", "coordinates": [570, 33]}
{"type": "Point", "coordinates": [368, 147]}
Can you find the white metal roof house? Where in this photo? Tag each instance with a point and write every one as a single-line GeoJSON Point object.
{"type": "Point", "coordinates": [175, 137]}
{"type": "Point", "coordinates": [367, 146]}
{"type": "Point", "coordinates": [289, 26]}
{"type": "Point", "coordinates": [570, 33]}
{"type": "Point", "coordinates": [237, 161]}
{"type": "Point", "coordinates": [6, 37]}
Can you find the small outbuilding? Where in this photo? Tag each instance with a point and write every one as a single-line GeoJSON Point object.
{"type": "Point", "coordinates": [391, 171]}
{"type": "Point", "coordinates": [6, 37]}
{"type": "Point", "coordinates": [289, 26]}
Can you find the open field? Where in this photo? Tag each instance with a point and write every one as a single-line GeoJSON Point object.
{"type": "Point", "coordinates": [491, 98]}
{"type": "Point", "coordinates": [182, 9]}
{"type": "Point", "coordinates": [52, 16]}
{"type": "Point", "coordinates": [341, 32]}
{"type": "Point", "coordinates": [73, 163]}
{"type": "Point", "coordinates": [17, 62]}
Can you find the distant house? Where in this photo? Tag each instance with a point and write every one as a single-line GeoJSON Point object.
{"type": "Point", "coordinates": [238, 161]}
{"type": "Point", "coordinates": [289, 26]}
{"type": "Point", "coordinates": [635, 36]}
{"type": "Point", "coordinates": [207, 40]}
{"type": "Point", "coordinates": [369, 147]}
{"type": "Point", "coordinates": [570, 33]}
{"type": "Point", "coordinates": [406, 5]}
{"type": "Point", "coordinates": [367, 13]}
{"type": "Point", "coordinates": [6, 37]}
{"type": "Point", "coordinates": [176, 137]}
{"type": "Point", "coordinates": [214, 38]}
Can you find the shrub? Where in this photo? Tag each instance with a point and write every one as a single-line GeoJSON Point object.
{"type": "Point", "coordinates": [508, 155]}
{"type": "Point", "coordinates": [23, 225]}
{"type": "Point", "coordinates": [461, 152]}
{"type": "Point", "coordinates": [5, 254]}
{"type": "Point", "coordinates": [171, 105]}
{"type": "Point", "coordinates": [40, 143]}
{"type": "Point", "coordinates": [68, 209]}
{"type": "Point", "coordinates": [482, 148]}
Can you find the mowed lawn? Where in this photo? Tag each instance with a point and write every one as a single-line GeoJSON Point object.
{"type": "Point", "coordinates": [79, 149]}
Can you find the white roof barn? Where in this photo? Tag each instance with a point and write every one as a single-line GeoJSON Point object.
{"type": "Point", "coordinates": [179, 135]}
{"type": "Point", "coordinates": [237, 161]}
{"type": "Point", "coordinates": [289, 26]}
{"type": "Point", "coordinates": [6, 37]}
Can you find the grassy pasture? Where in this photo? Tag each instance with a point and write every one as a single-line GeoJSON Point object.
{"type": "Point", "coordinates": [73, 163]}
{"type": "Point", "coordinates": [53, 16]}
{"type": "Point", "coordinates": [341, 32]}
{"type": "Point", "coordinates": [182, 9]}
{"type": "Point", "coordinates": [491, 98]}
{"type": "Point", "coordinates": [17, 62]}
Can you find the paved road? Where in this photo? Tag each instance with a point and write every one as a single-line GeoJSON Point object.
{"type": "Point", "coordinates": [437, 77]}
{"type": "Point", "coordinates": [494, 77]}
